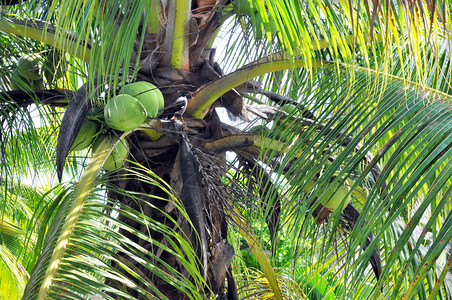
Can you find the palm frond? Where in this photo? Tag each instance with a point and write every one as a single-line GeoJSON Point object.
{"type": "Point", "coordinates": [99, 244]}
{"type": "Point", "coordinates": [411, 130]}
{"type": "Point", "coordinates": [25, 215]}
{"type": "Point", "coordinates": [370, 85]}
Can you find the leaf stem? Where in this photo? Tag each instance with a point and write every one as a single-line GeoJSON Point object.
{"type": "Point", "coordinates": [208, 94]}
{"type": "Point", "coordinates": [252, 241]}
{"type": "Point", "coordinates": [180, 49]}
{"type": "Point", "coordinates": [84, 188]}
{"type": "Point", "coordinates": [43, 32]}
{"type": "Point", "coordinates": [154, 18]}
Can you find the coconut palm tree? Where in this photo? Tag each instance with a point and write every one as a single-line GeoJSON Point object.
{"type": "Point", "coordinates": [311, 161]}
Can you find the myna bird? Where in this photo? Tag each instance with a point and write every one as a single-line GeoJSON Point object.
{"type": "Point", "coordinates": [176, 109]}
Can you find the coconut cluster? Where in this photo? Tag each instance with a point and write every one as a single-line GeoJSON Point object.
{"type": "Point", "coordinates": [30, 70]}
{"type": "Point", "coordinates": [335, 195]}
{"type": "Point", "coordinates": [137, 103]}
{"type": "Point", "coordinates": [28, 73]}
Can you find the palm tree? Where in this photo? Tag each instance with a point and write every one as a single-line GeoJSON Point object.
{"type": "Point", "coordinates": [327, 173]}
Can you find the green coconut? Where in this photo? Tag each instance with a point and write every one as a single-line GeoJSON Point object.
{"type": "Point", "coordinates": [283, 132]}
{"type": "Point", "coordinates": [148, 95]}
{"type": "Point", "coordinates": [99, 140]}
{"type": "Point", "coordinates": [260, 129]}
{"type": "Point", "coordinates": [30, 66]}
{"type": "Point", "coordinates": [85, 136]}
{"type": "Point", "coordinates": [334, 195]}
{"type": "Point", "coordinates": [117, 156]}
{"type": "Point", "coordinates": [160, 99]}
{"type": "Point", "coordinates": [19, 82]}
{"type": "Point", "coordinates": [290, 109]}
{"type": "Point", "coordinates": [124, 113]}
{"type": "Point", "coordinates": [308, 186]}
{"type": "Point", "coordinates": [286, 126]}
{"type": "Point", "coordinates": [37, 84]}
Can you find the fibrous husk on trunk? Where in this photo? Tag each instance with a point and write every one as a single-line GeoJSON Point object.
{"type": "Point", "coordinates": [196, 177]}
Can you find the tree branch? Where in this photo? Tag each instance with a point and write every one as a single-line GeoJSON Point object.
{"type": "Point", "coordinates": [46, 33]}
{"type": "Point", "coordinates": [10, 2]}
{"type": "Point", "coordinates": [229, 143]}
{"type": "Point", "coordinates": [54, 97]}
{"type": "Point", "coordinates": [206, 95]}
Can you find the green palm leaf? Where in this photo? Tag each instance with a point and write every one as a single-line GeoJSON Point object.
{"type": "Point", "coordinates": [421, 126]}
{"type": "Point", "coordinates": [370, 82]}
{"type": "Point", "coordinates": [86, 243]}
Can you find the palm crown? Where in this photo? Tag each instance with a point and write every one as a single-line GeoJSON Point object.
{"type": "Point", "coordinates": [337, 115]}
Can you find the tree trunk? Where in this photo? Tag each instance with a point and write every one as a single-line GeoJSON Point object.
{"type": "Point", "coordinates": [163, 157]}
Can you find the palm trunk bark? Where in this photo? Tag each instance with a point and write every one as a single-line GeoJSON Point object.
{"type": "Point", "coordinates": [166, 158]}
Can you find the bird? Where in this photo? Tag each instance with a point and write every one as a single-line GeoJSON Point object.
{"type": "Point", "coordinates": [176, 109]}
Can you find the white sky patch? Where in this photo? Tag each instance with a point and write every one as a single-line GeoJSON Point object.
{"type": "Point", "coordinates": [35, 116]}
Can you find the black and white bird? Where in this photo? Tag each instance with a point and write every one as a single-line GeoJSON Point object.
{"type": "Point", "coordinates": [176, 109]}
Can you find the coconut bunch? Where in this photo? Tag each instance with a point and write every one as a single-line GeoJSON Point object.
{"type": "Point", "coordinates": [31, 69]}
{"type": "Point", "coordinates": [336, 194]}
{"type": "Point", "coordinates": [137, 103]}
{"type": "Point", "coordinates": [28, 73]}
